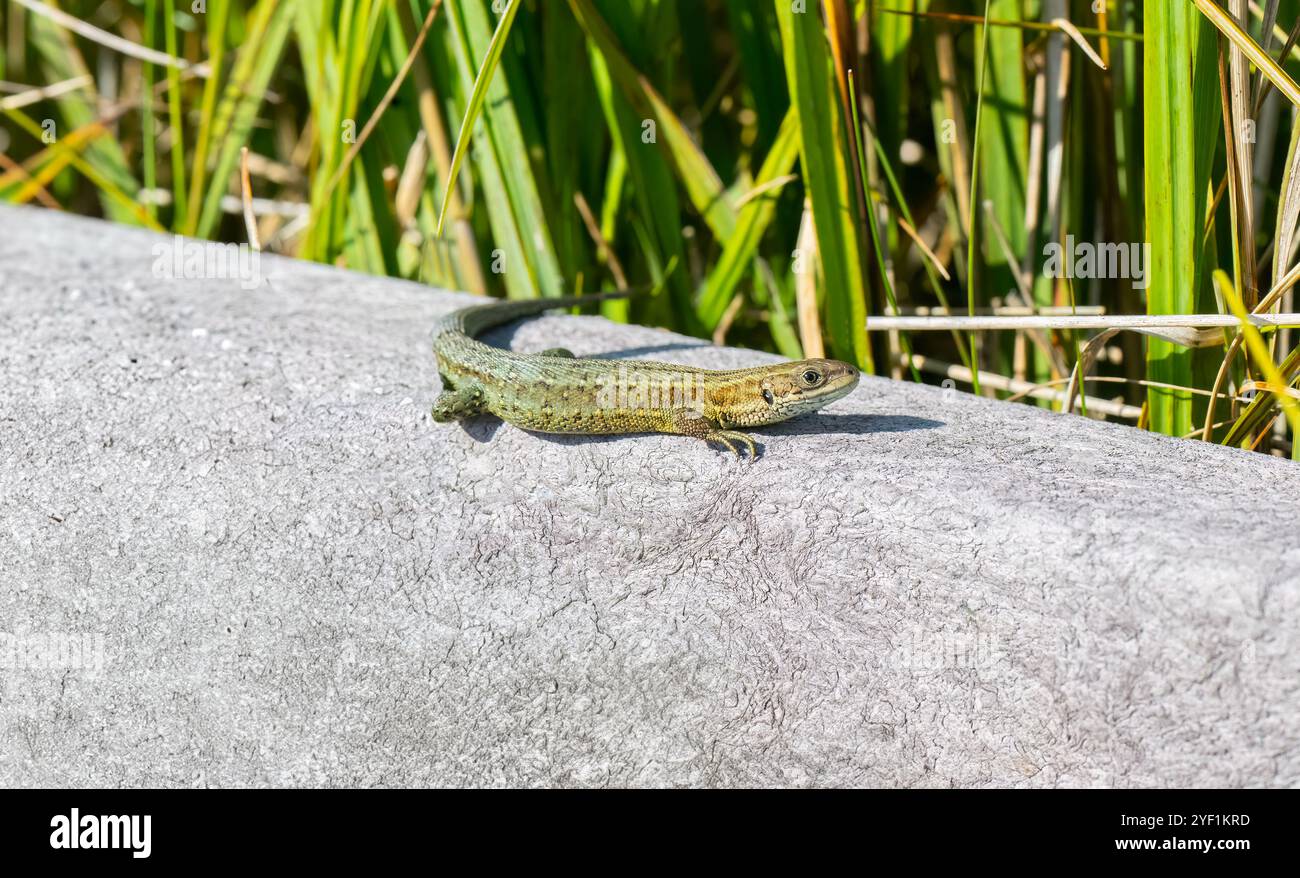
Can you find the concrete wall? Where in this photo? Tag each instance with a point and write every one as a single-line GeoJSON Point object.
{"type": "Point", "coordinates": [282, 572]}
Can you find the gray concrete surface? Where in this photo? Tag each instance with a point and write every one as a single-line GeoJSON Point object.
{"type": "Point", "coordinates": [281, 572]}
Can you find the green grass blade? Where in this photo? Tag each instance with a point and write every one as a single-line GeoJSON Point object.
{"type": "Point", "coordinates": [654, 193]}
{"type": "Point", "coordinates": [758, 41]}
{"type": "Point", "coordinates": [1004, 146]}
{"type": "Point", "coordinates": [511, 138]}
{"type": "Point", "coordinates": [176, 119]}
{"type": "Point", "coordinates": [1259, 350]}
{"type": "Point", "coordinates": [258, 58]}
{"type": "Point", "coordinates": [59, 60]}
{"type": "Point", "coordinates": [216, 30]}
{"type": "Point", "coordinates": [148, 120]}
{"type": "Point", "coordinates": [487, 69]}
{"type": "Point", "coordinates": [972, 222]}
{"type": "Point", "coordinates": [702, 184]}
{"type": "Point", "coordinates": [738, 250]}
{"type": "Point", "coordinates": [1181, 105]}
{"type": "Point", "coordinates": [822, 157]}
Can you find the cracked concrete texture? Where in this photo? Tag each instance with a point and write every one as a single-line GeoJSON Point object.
{"type": "Point", "coordinates": [299, 579]}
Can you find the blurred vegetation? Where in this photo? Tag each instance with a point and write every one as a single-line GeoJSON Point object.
{"type": "Point", "coordinates": [806, 165]}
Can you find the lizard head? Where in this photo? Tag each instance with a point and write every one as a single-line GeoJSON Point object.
{"type": "Point", "coordinates": [776, 393]}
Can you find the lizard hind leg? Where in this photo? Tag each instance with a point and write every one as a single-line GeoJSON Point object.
{"type": "Point", "coordinates": [457, 404]}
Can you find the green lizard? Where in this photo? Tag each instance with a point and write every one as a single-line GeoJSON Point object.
{"type": "Point", "coordinates": [555, 392]}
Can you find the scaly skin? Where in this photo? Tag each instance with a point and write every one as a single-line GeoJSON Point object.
{"type": "Point", "coordinates": [554, 392]}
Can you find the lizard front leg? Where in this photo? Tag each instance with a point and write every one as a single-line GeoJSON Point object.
{"type": "Point", "coordinates": [692, 423]}
{"type": "Point", "coordinates": [455, 404]}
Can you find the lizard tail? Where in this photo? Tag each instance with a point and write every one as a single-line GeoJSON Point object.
{"type": "Point", "coordinates": [477, 319]}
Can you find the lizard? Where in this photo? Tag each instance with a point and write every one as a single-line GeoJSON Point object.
{"type": "Point", "coordinates": [556, 392]}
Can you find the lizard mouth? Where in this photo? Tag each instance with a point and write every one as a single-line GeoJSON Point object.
{"type": "Point", "coordinates": [835, 391]}
{"type": "Point", "coordinates": [841, 379]}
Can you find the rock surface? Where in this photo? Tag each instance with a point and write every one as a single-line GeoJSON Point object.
{"type": "Point", "coordinates": [280, 571]}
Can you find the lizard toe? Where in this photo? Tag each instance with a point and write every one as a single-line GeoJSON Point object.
{"type": "Point", "coordinates": [729, 437]}
{"type": "Point", "coordinates": [723, 441]}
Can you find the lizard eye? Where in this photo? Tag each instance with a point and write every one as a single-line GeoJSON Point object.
{"type": "Point", "coordinates": [811, 377]}
{"type": "Point", "coordinates": [767, 396]}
